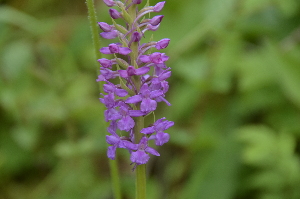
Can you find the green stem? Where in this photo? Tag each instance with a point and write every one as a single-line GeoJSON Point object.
{"type": "Point", "coordinates": [114, 172]}
{"type": "Point", "coordinates": [141, 181]}
{"type": "Point", "coordinates": [96, 41]}
{"type": "Point", "coordinates": [139, 121]}
{"type": "Point", "coordinates": [94, 27]}
{"type": "Point", "coordinates": [140, 169]}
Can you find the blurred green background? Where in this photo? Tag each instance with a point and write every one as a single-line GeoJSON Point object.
{"type": "Point", "coordinates": [235, 94]}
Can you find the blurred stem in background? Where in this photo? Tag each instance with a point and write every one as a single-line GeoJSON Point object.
{"type": "Point", "coordinates": [96, 41]}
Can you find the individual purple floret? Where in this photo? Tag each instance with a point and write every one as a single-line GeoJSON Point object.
{"type": "Point", "coordinates": [130, 71]}
{"type": "Point", "coordinates": [106, 63]}
{"type": "Point", "coordinates": [134, 80]}
{"type": "Point", "coordinates": [140, 156]}
{"type": "Point", "coordinates": [114, 139]}
{"type": "Point", "coordinates": [115, 48]}
{"type": "Point", "coordinates": [159, 127]}
{"type": "Point", "coordinates": [146, 98]}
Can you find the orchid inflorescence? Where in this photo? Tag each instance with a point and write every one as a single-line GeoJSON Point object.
{"type": "Point", "coordinates": [141, 78]}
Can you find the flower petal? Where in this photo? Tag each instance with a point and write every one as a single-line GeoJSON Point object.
{"type": "Point", "coordinates": [110, 139]}
{"type": "Point", "coordinates": [142, 70]}
{"type": "Point", "coordinates": [126, 123]}
{"type": "Point", "coordinates": [121, 92]}
{"type": "Point", "coordinates": [124, 50]}
{"type": "Point", "coordinates": [161, 138]}
{"type": "Point", "coordinates": [111, 152]}
{"type": "Point", "coordinates": [144, 58]}
{"type": "Point", "coordinates": [109, 35]}
{"type": "Point", "coordinates": [135, 113]}
{"type": "Point", "coordinates": [133, 99]}
{"type": "Point", "coordinates": [156, 93]}
{"type": "Point", "coordinates": [130, 145]}
{"type": "Point", "coordinates": [123, 73]}
{"type": "Point", "coordinates": [105, 50]}
{"type": "Point", "coordinates": [148, 105]}
{"type": "Point", "coordinates": [164, 76]}
{"type": "Point", "coordinates": [148, 130]}
{"type": "Point", "coordinates": [112, 128]}
{"type": "Point", "coordinates": [152, 151]}
{"type": "Point", "coordinates": [106, 63]}
{"type": "Point", "coordinates": [139, 157]}
{"type": "Point", "coordinates": [112, 114]}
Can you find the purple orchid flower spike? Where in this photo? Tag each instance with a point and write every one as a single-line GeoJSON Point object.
{"type": "Point", "coordinates": [134, 81]}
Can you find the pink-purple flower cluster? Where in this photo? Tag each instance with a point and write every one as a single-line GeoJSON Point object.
{"type": "Point", "coordinates": [135, 79]}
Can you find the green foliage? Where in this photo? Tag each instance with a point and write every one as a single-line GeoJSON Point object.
{"type": "Point", "coordinates": [235, 95]}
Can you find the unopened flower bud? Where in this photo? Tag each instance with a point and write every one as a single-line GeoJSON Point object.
{"type": "Point", "coordinates": [109, 35]}
{"type": "Point", "coordinates": [109, 3]}
{"type": "Point", "coordinates": [131, 71]}
{"type": "Point", "coordinates": [106, 63]}
{"type": "Point", "coordinates": [162, 44]}
{"type": "Point", "coordinates": [136, 1]}
{"type": "Point", "coordinates": [105, 27]}
{"type": "Point", "coordinates": [159, 6]}
{"type": "Point", "coordinates": [152, 28]}
{"type": "Point", "coordinates": [156, 20]}
{"type": "Point", "coordinates": [136, 37]}
{"type": "Point", "coordinates": [114, 48]}
{"type": "Point", "coordinates": [114, 13]}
